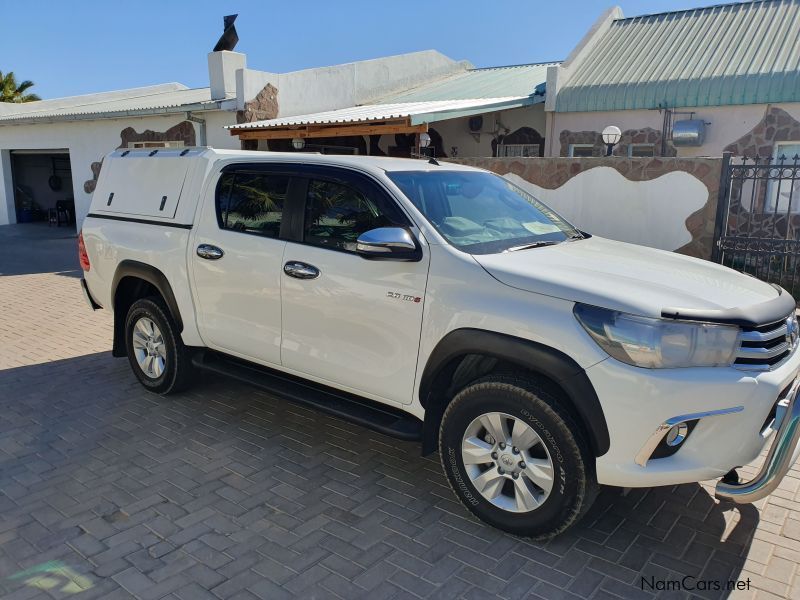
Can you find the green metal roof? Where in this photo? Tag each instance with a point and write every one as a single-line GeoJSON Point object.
{"type": "Point", "coordinates": [492, 82]}
{"type": "Point", "coordinates": [744, 53]}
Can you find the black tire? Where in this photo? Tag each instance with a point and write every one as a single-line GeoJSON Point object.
{"type": "Point", "coordinates": [177, 369]}
{"type": "Point", "coordinates": [575, 486]}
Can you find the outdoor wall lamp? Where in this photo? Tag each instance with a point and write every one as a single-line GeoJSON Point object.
{"type": "Point", "coordinates": [611, 135]}
{"type": "Point", "coordinates": [298, 143]}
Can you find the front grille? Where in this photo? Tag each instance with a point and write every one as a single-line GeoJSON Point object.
{"type": "Point", "coordinates": [763, 347]}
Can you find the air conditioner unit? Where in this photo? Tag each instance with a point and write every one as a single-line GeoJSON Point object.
{"type": "Point", "coordinates": [475, 123]}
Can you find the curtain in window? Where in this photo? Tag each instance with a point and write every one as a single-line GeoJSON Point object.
{"type": "Point", "coordinates": [780, 194]}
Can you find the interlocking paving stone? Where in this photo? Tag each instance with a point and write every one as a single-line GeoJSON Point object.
{"type": "Point", "coordinates": [226, 492]}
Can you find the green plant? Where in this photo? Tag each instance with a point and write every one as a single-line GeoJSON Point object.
{"type": "Point", "coordinates": [10, 91]}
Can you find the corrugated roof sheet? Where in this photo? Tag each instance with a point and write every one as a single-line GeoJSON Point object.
{"type": "Point", "coordinates": [745, 53]}
{"type": "Point", "coordinates": [492, 82]}
{"type": "Point", "coordinates": [420, 112]}
{"type": "Point", "coordinates": [145, 99]}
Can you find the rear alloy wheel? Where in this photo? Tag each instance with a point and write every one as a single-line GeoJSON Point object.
{"type": "Point", "coordinates": [515, 457]}
{"type": "Point", "coordinates": [149, 348]}
{"type": "Point", "coordinates": [155, 350]}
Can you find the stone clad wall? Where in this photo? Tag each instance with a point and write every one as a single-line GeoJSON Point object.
{"type": "Point", "coordinates": [776, 126]}
{"type": "Point", "coordinates": [553, 173]}
{"type": "Point", "coordinates": [261, 108]}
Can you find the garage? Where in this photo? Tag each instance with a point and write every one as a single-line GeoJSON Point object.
{"type": "Point", "coordinates": [42, 187]}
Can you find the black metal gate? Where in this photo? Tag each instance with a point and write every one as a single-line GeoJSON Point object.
{"type": "Point", "coordinates": [758, 218]}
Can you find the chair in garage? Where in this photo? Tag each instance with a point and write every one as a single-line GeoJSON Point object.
{"type": "Point", "coordinates": [65, 212]}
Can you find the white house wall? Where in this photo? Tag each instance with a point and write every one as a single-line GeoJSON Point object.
{"type": "Point", "coordinates": [455, 132]}
{"type": "Point", "coordinates": [343, 86]}
{"type": "Point", "coordinates": [7, 208]}
{"type": "Point", "coordinates": [216, 135]}
{"type": "Point", "coordinates": [727, 124]}
{"type": "Point", "coordinates": [87, 142]}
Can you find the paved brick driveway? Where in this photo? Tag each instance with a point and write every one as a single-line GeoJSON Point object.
{"type": "Point", "coordinates": [225, 492]}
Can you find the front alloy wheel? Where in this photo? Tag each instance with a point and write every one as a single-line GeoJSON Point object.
{"type": "Point", "coordinates": [507, 462]}
{"type": "Point", "coordinates": [515, 457]}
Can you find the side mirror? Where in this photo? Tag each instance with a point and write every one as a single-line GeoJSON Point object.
{"type": "Point", "coordinates": [388, 243]}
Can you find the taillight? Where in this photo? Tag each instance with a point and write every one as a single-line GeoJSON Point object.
{"type": "Point", "coordinates": [83, 257]}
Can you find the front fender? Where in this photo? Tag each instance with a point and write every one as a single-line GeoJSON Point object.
{"type": "Point", "coordinates": [528, 355]}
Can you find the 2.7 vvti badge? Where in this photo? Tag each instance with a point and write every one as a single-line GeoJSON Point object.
{"type": "Point", "coordinates": [441, 303]}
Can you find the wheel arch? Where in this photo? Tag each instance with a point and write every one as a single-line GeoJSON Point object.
{"type": "Point", "coordinates": [445, 372]}
{"type": "Point", "coordinates": [134, 280]}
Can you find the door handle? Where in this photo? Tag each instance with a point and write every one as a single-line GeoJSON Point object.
{"type": "Point", "coordinates": [209, 252]}
{"type": "Point", "coordinates": [300, 270]}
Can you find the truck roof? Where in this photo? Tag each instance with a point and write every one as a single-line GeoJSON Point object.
{"type": "Point", "coordinates": [162, 185]}
{"type": "Point", "coordinates": [381, 163]}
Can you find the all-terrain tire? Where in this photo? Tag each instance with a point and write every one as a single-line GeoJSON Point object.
{"type": "Point", "coordinates": [175, 374]}
{"type": "Point", "coordinates": [574, 485]}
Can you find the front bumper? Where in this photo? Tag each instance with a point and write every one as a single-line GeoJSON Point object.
{"type": "Point", "coordinates": [783, 453]}
{"type": "Point", "coordinates": [736, 406]}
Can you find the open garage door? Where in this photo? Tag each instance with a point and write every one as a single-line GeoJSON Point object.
{"type": "Point", "coordinates": [42, 183]}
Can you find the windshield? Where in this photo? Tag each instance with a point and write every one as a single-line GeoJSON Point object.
{"type": "Point", "coordinates": [482, 213]}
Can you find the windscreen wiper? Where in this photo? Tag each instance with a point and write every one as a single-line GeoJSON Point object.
{"type": "Point", "coordinates": [533, 245]}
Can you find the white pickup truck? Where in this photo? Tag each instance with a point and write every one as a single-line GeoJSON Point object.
{"type": "Point", "coordinates": [441, 303]}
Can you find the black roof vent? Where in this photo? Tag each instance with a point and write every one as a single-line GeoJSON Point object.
{"type": "Point", "coordinates": [229, 37]}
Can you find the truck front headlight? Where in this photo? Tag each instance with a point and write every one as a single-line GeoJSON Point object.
{"type": "Point", "coordinates": [658, 343]}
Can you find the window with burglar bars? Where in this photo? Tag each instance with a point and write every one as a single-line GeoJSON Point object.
{"type": "Point", "coordinates": [581, 150]}
{"type": "Point", "coordinates": [758, 218]}
{"type": "Point", "coordinates": [518, 150]}
{"type": "Point", "coordinates": [641, 150]}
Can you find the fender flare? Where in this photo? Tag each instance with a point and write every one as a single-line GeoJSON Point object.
{"type": "Point", "coordinates": [542, 359]}
{"type": "Point", "coordinates": [150, 274]}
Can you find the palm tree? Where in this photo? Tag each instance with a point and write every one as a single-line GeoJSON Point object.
{"type": "Point", "coordinates": [11, 92]}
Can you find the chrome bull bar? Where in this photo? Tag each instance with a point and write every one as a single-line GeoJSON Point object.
{"type": "Point", "coordinates": [782, 455]}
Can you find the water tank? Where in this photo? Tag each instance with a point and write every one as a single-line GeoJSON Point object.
{"type": "Point", "coordinates": [690, 132]}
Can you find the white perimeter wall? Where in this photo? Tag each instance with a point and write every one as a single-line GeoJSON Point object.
{"type": "Point", "coordinates": [603, 202]}
{"type": "Point", "coordinates": [88, 142]}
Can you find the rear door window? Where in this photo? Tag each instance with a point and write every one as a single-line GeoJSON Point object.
{"type": "Point", "coordinates": [252, 202]}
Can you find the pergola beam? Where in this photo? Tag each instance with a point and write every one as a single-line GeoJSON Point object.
{"type": "Point", "coordinates": [332, 130]}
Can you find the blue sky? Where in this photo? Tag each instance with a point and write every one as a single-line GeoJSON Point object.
{"type": "Point", "coordinates": [70, 47]}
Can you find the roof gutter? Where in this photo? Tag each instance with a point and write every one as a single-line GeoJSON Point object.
{"type": "Point", "coordinates": [118, 114]}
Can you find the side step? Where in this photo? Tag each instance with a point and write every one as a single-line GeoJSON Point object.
{"type": "Point", "coordinates": [375, 416]}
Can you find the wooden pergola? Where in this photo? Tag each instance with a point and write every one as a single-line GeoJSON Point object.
{"type": "Point", "coordinates": [326, 130]}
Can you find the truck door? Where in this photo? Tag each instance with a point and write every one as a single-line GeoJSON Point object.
{"type": "Point", "coordinates": [236, 259]}
{"type": "Point", "coordinates": [349, 321]}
